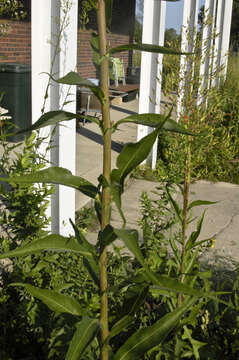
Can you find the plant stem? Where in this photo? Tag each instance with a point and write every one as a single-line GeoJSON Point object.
{"type": "Point", "coordinates": [187, 178]}
{"type": "Point", "coordinates": [104, 78]}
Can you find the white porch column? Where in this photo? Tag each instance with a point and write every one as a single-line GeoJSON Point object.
{"type": "Point", "coordinates": [207, 47]}
{"type": "Point", "coordinates": [41, 56]}
{"type": "Point", "coordinates": [151, 64]}
{"type": "Point", "coordinates": [41, 62]}
{"type": "Point", "coordinates": [218, 40]}
{"type": "Point", "coordinates": [47, 18]}
{"type": "Point", "coordinates": [190, 16]}
{"type": "Point", "coordinates": [63, 153]}
{"type": "Point", "coordinates": [226, 28]}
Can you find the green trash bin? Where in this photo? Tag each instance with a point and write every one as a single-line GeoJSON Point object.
{"type": "Point", "coordinates": [15, 82]}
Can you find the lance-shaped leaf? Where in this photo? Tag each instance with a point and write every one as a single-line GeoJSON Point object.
{"type": "Point", "coordinates": [108, 12]}
{"type": "Point", "coordinates": [131, 241]}
{"type": "Point", "coordinates": [116, 190]}
{"type": "Point", "coordinates": [73, 78]}
{"type": "Point", "coordinates": [130, 307]}
{"type": "Point", "coordinates": [94, 42]}
{"type": "Point", "coordinates": [195, 234]}
{"type": "Point", "coordinates": [53, 242]}
{"type": "Point", "coordinates": [145, 339]}
{"type": "Point", "coordinates": [56, 117]}
{"type": "Point", "coordinates": [56, 175]}
{"type": "Point", "coordinates": [160, 282]}
{"type": "Point", "coordinates": [90, 262]}
{"type": "Point", "coordinates": [106, 237]}
{"type": "Point", "coordinates": [85, 333]}
{"type": "Point", "coordinates": [131, 156]}
{"type": "Point", "coordinates": [55, 301]}
{"type": "Point", "coordinates": [154, 120]}
{"type": "Point", "coordinates": [200, 203]}
{"type": "Point", "coordinates": [147, 48]}
{"type": "Point", "coordinates": [174, 205]}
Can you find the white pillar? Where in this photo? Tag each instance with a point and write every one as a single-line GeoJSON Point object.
{"type": "Point", "coordinates": [151, 64]}
{"type": "Point", "coordinates": [218, 41]}
{"type": "Point", "coordinates": [190, 16]}
{"type": "Point", "coordinates": [41, 56]}
{"type": "Point", "coordinates": [47, 18]}
{"type": "Point", "coordinates": [41, 62]}
{"type": "Point", "coordinates": [226, 28]}
{"type": "Point", "coordinates": [207, 47]}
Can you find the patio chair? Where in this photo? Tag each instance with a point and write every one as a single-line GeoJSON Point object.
{"type": "Point", "coordinates": [117, 71]}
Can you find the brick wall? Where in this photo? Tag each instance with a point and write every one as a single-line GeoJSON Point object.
{"type": "Point", "coordinates": [15, 46]}
{"type": "Point", "coordinates": [85, 66]}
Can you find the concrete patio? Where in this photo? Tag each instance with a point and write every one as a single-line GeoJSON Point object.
{"type": "Point", "coordinates": [221, 219]}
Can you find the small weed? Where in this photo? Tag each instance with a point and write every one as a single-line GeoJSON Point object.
{"type": "Point", "coordinates": [86, 219]}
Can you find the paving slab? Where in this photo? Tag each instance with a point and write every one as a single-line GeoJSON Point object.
{"type": "Point", "coordinates": [89, 146]}
{"type": "Point", "coordinates": [221, 219]}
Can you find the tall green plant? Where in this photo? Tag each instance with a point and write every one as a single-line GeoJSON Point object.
{"type": "Point", "coordinates": [111, 186]}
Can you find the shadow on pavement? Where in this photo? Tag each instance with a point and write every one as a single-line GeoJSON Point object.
{"type": "Point", "coordinates": [89, 134]}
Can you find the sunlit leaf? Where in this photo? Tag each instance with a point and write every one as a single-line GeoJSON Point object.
{"type": "Point", "coordinates": [147, 48]}
{"type": "Point", "coordinates": [174, 205]}
{"type": "Point", "coordinates": [53, 242]}
{"type": "Point", "coordinates": [195, 234]}
{"type": "Point", "coordinates": [200, 203]}
{"type": "Point", "coordinates": [106, 237]}
{"type": "Point", "coordinates": [56, 117]}
{"type": "Point", "coordinates": [94, 42]}
{"type": "Point", "coordinates": [56, 175]}
{"type": "Point", "coordinates": [85, 333]}
{"type": "Point", "coordinates": [154, 120]}
{"type": "Point", "coordinates": [132, 155]}
{"type": "Point", "coordinates": [90, 262]}
{"type": "Point", "coordinates": [73, 78]}
{"type": "Point", "coordinates": [131, 241]}
{"type": "Point", "coordinates": [55, 301]}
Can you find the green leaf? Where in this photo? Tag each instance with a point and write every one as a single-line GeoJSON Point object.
{"type": "Point", "coordinates": [155, 120]}
{"type": "Point", "coordinates": [89, 262]}
{"type": "Point", "coordinates": [106, 237]}
{"type": "Point", "coordinates": [132, 155]}
{"type": "Point", "coordinates": [131, 241]}
{"type": "Point", "coordinates": [196, 345]}
{"type": "Point", "coordinates": [174, 205]}
{"type": "Point", "coordinates": [200, 202]}
{"type": "Point", "coordinates": [145, 339]}
{"type": "Point", "coordinates": [53, 242]}
{"type": "Point", "coordinates": [108, 12]}
{"type": "Point", "coordinates": [85, 333]}
{"type": "Point", "coordinates": [147, 48]}
{"type": "Point", "coordinates": [56, 117]}
{"type": "Point", "coordinates": [116, 192]}
{"type": "Point", "coordinates": [195, 234]}
{"type": "Point", "coordinates": [82, 239]}
{"type": "Point", "coordinates": [94, 42]}
{"type": "Point", "coordinates": [56, 175]}
{"type": "Point", "coordinates": [130, 307]}
{"type": "Point", "coordinates": [162, 282]}
{"type": "Point", "coordinates": [73, 78]}
{"type": "Point", "coordinates": [55, 301]}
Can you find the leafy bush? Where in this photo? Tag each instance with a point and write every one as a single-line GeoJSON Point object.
{"type": "Point", "coordinates": [212, 327]}
{"type": "Point", "coordinates": [215, 151]}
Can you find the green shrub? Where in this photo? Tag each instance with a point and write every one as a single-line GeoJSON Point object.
{"type": "Point", "coordinates": [215, 152]}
